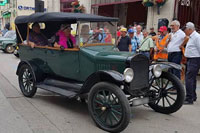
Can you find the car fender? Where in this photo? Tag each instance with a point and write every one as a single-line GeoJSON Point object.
{"type": "Point", "coordinates": [166, 65]}
{"type": "Point", "coordinates": [6, 43]}
{"type": "Point", "coordinates": [37, 73]}
{"type": "Point", "coordinates": [102, 75]}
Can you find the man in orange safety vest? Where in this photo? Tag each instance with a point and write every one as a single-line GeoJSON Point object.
{"type": "Point", "coordinates": [160, 51]}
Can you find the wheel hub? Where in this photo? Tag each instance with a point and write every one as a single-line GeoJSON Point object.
{"type": "Point", "coordinates": [103, 108]}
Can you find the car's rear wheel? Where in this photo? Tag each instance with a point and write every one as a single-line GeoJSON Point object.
{"type": "Point", "coordinates": [109, 107]}
{"type": "Point", "coordinates": [27, 81]}
{"type": "Point", "coordinates": [169, 93]}
{"type": "Point", "coordinates": [9, 49]}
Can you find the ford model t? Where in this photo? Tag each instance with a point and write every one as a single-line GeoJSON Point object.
{"type": "Point", "coordinates": [94, 69]}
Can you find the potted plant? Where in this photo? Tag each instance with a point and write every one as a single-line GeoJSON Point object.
{"type": "Point", "coordinates": [148, 3]}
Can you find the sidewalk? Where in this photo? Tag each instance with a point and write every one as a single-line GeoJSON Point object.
{"type": "Point", "coordinates": [10, 121]}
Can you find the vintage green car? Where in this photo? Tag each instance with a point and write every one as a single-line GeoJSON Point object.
{"type": "Point", "coordinates": [7, 44]}
{"type": "Point", "coordinates": [110, 81]}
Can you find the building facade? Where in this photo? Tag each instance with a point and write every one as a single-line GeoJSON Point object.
{"type": "Point", "coordinates": [128, 11]}
{"type": "Point", "coordinates": [15, 8]}
{"type": "Point", "coordinates": [53, 5]}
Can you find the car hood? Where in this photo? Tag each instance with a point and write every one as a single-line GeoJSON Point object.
{"type": "Point", "coordinates": [110, 53]}
{"type": "Point", "coordinates": [6, 39]}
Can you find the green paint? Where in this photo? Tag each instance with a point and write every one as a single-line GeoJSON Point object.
{"type": "Point", "coordinates": [78, 65]}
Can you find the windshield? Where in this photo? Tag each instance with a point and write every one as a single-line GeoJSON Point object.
{"type": "Point", "coordinates": [10, 34]}
{"type": "Point", "coordinates": [97, 32]}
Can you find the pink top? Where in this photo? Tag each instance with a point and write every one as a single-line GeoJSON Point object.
{"type": "Point", "coordinates": [63, 39]}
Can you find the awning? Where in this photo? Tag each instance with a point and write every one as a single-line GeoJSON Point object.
{"type": "Point", "coordinates": [99, 3]}
{"type": "Point", "coordinates": [6, 14]}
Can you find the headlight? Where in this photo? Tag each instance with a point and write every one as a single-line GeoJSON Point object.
{"type": "Point", "coordinates": [157, 70]}
{"type": "Point", "coordinates": [128, 75]}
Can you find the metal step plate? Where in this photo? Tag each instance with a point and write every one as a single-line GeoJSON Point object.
{"type": "Point", "coordinates": [60, 91]}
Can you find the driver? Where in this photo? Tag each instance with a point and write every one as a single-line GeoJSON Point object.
{"type": "Point", "coordinates": [36, 37]}
{"type": "Point", "coordinates": [64, 37]}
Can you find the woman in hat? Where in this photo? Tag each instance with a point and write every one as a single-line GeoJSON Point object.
{"type": "Point", "coordinates": [64, 37]}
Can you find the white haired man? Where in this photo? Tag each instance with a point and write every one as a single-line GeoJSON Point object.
{"type": "Point", "coordinates": [139, 33]}
{"type": "Point", "coordinates": [175, 40]}
{"type": "Point", "coordinates": [192, 52]}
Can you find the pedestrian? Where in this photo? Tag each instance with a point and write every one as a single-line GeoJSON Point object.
{"type": "Point", "coordinates": [176, 38]}
{"type": "Point", "coordinates": [124, 42]}
{"type": "Point", "coordinates": [192, 53]}
{"type": "Point", "coordinates": [160, 51]}
{"type": "Point", "coordinates": [152, 32]}
{"type": "Point", "coordinates": [138, 33]}
{"type": "Point", "coordinates": [147, 45]}
{"type": "Point", "coordinates": [134, 41]}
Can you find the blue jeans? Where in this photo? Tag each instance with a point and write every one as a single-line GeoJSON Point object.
{"type": "Point", "coordinates": [146, 53]}
{"type": "Point", "coordinates": [192, 69]}
{"type": "Point", "coordinates": [175, 57]}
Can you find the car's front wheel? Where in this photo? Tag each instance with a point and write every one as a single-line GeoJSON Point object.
{"type": "Point", "coordinates": [27, 81]}
{"type": "Point", "coordinates": [109, 107]}
{"type": "Point", "coordinates": [169, 94]}
{"type": "Point", "coordinates": [9, 49]}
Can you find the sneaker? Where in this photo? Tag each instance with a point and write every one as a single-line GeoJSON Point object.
{"type": "Point", "coordinates": [188, 102]}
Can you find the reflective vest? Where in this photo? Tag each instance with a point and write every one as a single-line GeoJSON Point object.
{"type": "Point", "coordinates": [160, 46]}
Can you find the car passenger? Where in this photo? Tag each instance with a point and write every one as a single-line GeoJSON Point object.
{"type": "Point", "coordinates": [36, 37]}
{"type": "Point", "coordinates": [64, 37]}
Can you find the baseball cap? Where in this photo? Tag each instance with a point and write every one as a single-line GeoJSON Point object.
{"type": "Point", "coordinates": [163, 28]}
{"type": "Point", "coordinates": [190, 25]}
{"type": "Point", "coordinates": [130, 31]}
{"type": "Point", "coordinates": [65, 26]}
{"type": "Point", "coordinates": [124, 29]}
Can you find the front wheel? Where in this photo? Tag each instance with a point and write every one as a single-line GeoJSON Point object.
{"type": "Point", "coordinates": [27, 81]}
{"type": "Point", "coordinates": [9, 49]}
{"type": "Point", "coordinates": [169, 94]}
{"type": "Point", "coordinates": [109, 107]}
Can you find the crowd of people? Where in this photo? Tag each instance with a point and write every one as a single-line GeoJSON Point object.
{"type": "Point", "coordinates": [170, 44]}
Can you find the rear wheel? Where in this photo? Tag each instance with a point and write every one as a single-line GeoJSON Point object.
{"type": "Point", "coordinates": [169, 93]}
{"type": "Point", "coordinates": [27, 81]}
{"type": "Point", "coordinates": [109, 107]}
{"type": "Point", "coordinates": [9, 49]}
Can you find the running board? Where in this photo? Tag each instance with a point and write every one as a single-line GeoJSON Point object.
{"type": "Point", "coordinates": [60, 91]}
{"type": "Point", "coordinates": [70, 86]}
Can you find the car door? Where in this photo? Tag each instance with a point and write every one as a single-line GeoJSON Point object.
{"type": "Point", "coordinates": [63, 63]}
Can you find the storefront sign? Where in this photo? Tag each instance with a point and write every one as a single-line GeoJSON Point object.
{"type": "Point", "coordinates": [185, 2]}
{"type": "Point", "coordinates": [3, 2]}
{"type": "Point", "coordinates": [20, 7]}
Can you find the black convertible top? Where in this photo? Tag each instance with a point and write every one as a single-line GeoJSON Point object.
{"type": "Point", "coordinates": [61, 16]}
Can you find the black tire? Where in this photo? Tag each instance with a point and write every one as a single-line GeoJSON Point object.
{"type": "Point", "coordinates": [167, 94]}
{"type": "Point", "coordinates": [9, 49]}
{"type": "Point", "coordinates": [27, 81]}
{"type": "Point", "coordinates": [115, 101]}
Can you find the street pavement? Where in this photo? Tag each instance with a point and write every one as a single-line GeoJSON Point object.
{"type": "Point", "coordinates": [49, 113]}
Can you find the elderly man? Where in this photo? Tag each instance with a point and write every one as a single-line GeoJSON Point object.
{"type": "Point", "coordinates": [124, 42]}
{"type": "Point", "coordinates": [192, 52]}
{"type": "Point", "coordinates": [36, 37]}
{"type": "Point", "coordinates": [175, 40]}
{"type": "Point", "coordinates": [139, 33]}
{"type": "Point", "coordinates": [147, 45]}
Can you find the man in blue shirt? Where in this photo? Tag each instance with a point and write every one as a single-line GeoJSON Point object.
{"type": "Point", "coordinates": [134, 40]}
